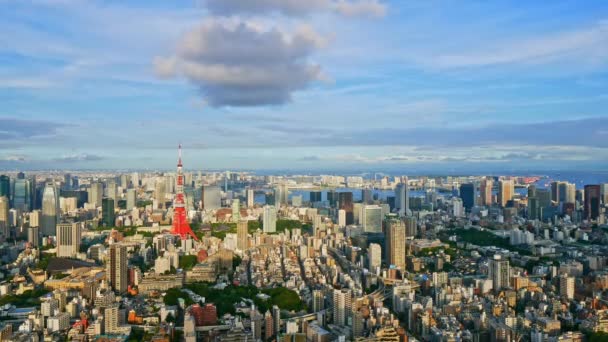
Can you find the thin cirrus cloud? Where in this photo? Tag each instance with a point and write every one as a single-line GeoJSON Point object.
{"type": "Point", "coordinates": [372, 8]}
{"type": "Point", "coordinates": [80, 157]}
{"type": "Point", "coordinates": [589, 44]}
{"type": "Point", "coordinates": [17, 129]}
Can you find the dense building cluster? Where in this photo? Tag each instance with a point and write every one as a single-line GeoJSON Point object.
{"type": "Point", "coordinates": [94, 256]}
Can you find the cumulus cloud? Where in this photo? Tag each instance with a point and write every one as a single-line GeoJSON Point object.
{"type": "Point", "coordinates": [78, 158]}
{"type": "Point", "coordinates": [370, 8]}
{"type": "Point", "coordinates": [242, 64]}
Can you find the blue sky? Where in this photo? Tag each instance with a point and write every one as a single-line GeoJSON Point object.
{"type": "Point", "coordinates": [332, 84]}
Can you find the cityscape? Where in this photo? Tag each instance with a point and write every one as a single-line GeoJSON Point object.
{"type": "Point", "coordinates": [303, 171]}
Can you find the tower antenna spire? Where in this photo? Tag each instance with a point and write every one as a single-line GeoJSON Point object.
{"type": "Point", "coordinates": [181, 226]}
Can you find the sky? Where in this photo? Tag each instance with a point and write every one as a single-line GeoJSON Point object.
{"type": "Point", "coordinates": [304, 85]}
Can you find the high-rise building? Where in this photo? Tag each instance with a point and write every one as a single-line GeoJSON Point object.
{"type": "Point", "coordinates": [250, 198]}
{"type": "Point", "coordinates": [555, 191]}
{"type": "Point", "coordinates": [506, 189]}
{"type": "Point", "coordinates": [592, 202]}
{"type": "Point", "coordinates": [315, 196]}
{"type": "Point", "coordinates": [212, 198]}
{"type": "Point", "coordinates": [108, 215]}
{"type": "Point", "coordinates": [374, 256]}
{"type": "Point", "coordinates": [499, 272]}
{"type": "Point", "coordinates": [411, 226]}
{"type": "Point", "coordinates": [603, 192]}
{"type": "Point", "coordinates": [567, 192]}
{"type": "Point", "coordinates": [342, 306]}
{"type": "Point", "coordinates": [236, 210]}
{"type": "Point", "coordinates": [135, 180]}
{"type": "Point", "coordinates": [4, 219]}
{"type": "Point", "coordinates": [485, 191]}
{"type": "Point", "coordinates": [5, 186]}
{"type": "Point", "coordinates": [242, 235]}
{"type": "Point", "coordinates": [270, 219]}
{"type": "Point", "coordinates": [22, 194]}
{"type": "Point", "coordinates": [33, 236]}
{"type": "Point", "coordinates": [112, 191]}
{"type": "Point", "coordinates": [50, 210]}
{"type": "Point", "coordinates": [468, 196]}
{"type": "Point", "coordinates": [318, 300]}
{"type": "Point", "coordinates": [402, 198]}
{"type": "Point", "coordinates": [116, 267]}
{"type": "Point", "coordinates": [160, 192]}
{"type": "Point", "coordinates": [457, 207]}
{"type": "Point", "coordinates": [95, 194]}
{"type": "Point", "coordinates": [367, 196]}
{"type": "Point", "coordinates": [68, 240]}
{"type": "Point", "coordinates": [544, 197]}
{"type": "Point", "coordinates": [395, 243]}
{"type": "Point", "coordinates": [372, 219]}
{"type": "Point", "coordinates": [131, 199]}
{"type": "Point", "coordinates": [345, 200]}
{"type": "Point", "coordinates": [533, 208]}
{"type": "Point", "coordinates": [566, 286]}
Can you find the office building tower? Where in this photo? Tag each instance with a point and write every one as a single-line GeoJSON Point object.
{"type": "Point", "coordinates": [411, 226]}
{"type": "Point", "coordinates": [281, 195]}
{"type": "Point", "coordinates": [372, 219]}
{"type": "Point", "coordinates": [22, 190]}
{"type": "Point", "coordinates": [531, 190]}
{"type": "Point", "coordinates": [318, 300]}
{"type": "Point", "coordinates": [395, 243]}
{"type": "Point", "coordinates": [367, 196]}
{"type": "Point", "coordinates": [315, 197]}
{"type": "Point", "coordinates": [108, 215]}
{"type": "Point", "coordinates": [4, 218]}
{"type": "Point", "coordinates": [341, 218]}
{"type": "Point", "coordinates": [116, 268]}
{"type": "Point", "coordinates": [544, 197]}
{"type": "Point", "coordinates": [567, 192]}
{"type": "Point", "coordinates": [160, 194]}
{"type": "Point", "coordinates": [332, 198]}
{"type": "Point", "coordinates": [242, 235]}
{"type": "Point", "coordinates": [499, 272]}
{"type": "Point", "coordinates": [402, 198]}
{"type": "Point", "coordinates": [468, 195]}
{"type": "Point", "coordinates": [270, 219]}
{"type": "Point", "coordinates": [135, 180]}
{"type": "Point", "coordinates": [68, 240]}
{"type": "Point", "coordinates": [485, 191]}
{"type": "Point", "coordinates": [374, 256]}
{"type": "Point", "coordinates": [236, 210]}
{"type": "Point", "coordinates": [5, 186]}
{"type": "Point", "coordinates": [603, 192]}
{"type": "Point", "coordinates": [345, 200]}
{"type": "Point", "coordinates": [555, 192]}
{"type": "Point", "coordinates": [592, 202]}
{"type": "Point", "coordinates": [457, 207]}
{"type": "Point", "coordinates": [566, 286]}
{"type": "Point", "coordinates": [250, 198]}
{"type": "Point", "coordinates": [342, 306]}
{"type": "Point", "coordinates": [276, 319]}
{"type": "Point", "coordinates": [533, 208]}
{"type": "Point", "coordinates": [112, 191]}
{"type": "Point", "coordinates": [212, 197]}
{"type": "Point", "coordinates": [33, 236]}
{"type": "Point", "coordinates": [95, 194]}
{"type": "Point", "coordinates": [131, 199]}
{"type": "Point", "coordinates": [50, 210]}
{"type": "Point", "coordinates": [67, 182]}
{"type": "Point", "coordinates": [506, 190]}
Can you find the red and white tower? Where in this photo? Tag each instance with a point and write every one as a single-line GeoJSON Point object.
{"type": "Point", "coordinates": [180, 221]}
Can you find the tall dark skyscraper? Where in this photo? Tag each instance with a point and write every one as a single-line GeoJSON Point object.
{"type": "Point", "coordinates": [332, 197]}
{"type": "Point", "coordinates": [592, 202]}
{"type": "Point", "coordinates": [315, 196]}
{"type": "Point", "coordinates": [108, 217]}
{"type": "Point", "coordinates": [50, 210]}
{"type": "Point", "coordinates": [467, 193]}
{"type": "Point", "coordinates": [366, 196]}
{"type": "Point", "coordinates": [345, 200]}
{"type": "Point", "coordinates": [5, 186]}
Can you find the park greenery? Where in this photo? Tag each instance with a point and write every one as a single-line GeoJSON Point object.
{"type": "Point", "coordinates": [486, 238]}
{"type": "Point", "coordinates": [226, 299]}
{"type": "Point", "coordinates": [186, 262]}
{"type": "Point", "coordinates": [28, 298]}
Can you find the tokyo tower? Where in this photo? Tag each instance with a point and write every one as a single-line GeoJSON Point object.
{"type": "Point", "coordinates": [180, 222]}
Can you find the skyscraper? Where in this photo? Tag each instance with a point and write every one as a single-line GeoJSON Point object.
{"type": "Point", "coordinates": [315, 196]}
{"type": "Point", "coordinates": [95, 194]}
{"type": "Point", "coordinates": [281, 195]}
{"type": "Point", "coordinates": [5, 186]}
{"type": "Point", "coordinates": [242, 235]}
{"type": "Point", "coordinates": [22, 194]}
{"type": "Point", "coordinates": [4, 219]}
{"type": "Point", "coordinates": [108, 216]}
{"type": "Point", "coordinates": [467, 194]}
{"type": "Point", "coordinates": [485, 191]}
{"type": "Point", "coordinates": [131, 199]}
{"type": "Point", "coordinates": [499, 272]}
{"type": "Point", "coordinates": [33, 236]}
{"type": "Point", "coordinates": [160, 192]}
{"type": "Point", "coordinates": [345, 200]}
{"type": "Point", "coordinates": [592, 202]}
{"type": "Point", "coordinates": [603, 192]}
{"type": "Point", "coordinates": [236, 210]}
{"type": "Point", "coordinates": [112, 191]}
{"type": "Point", "coordinates": [270, 219]}
{"type": "Point", "coordinates": [372, 219]}
{"type": "Point", "coordinates": [506, 189]}
{"type": "Point", "coordinates": [366, 196]}
{"type": "Point", "coordinates": [250, 198]}
{"type": "Point", "coordinates": [402, 198]}
{"type": "Point", "coordinates": [212, 198]}
{"type": "Point", "coordinates": [116, 268]}
{"type": "Point", "coordinates": [395, 243]}
{"type": "Point", "coordinates": [50, 210]}
{"type": "Point", "coordinates": [68, 240]}
{"type": "Point", "coordinates": [374, 256]}
{"type": "Point", "coordinates": [342, 306]}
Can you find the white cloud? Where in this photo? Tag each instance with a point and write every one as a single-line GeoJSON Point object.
{"type": "Point", "coordinates": [367, 8]}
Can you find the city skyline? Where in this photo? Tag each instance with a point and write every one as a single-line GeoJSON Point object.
{"type": "Point", "coordinates": [332, 85]}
